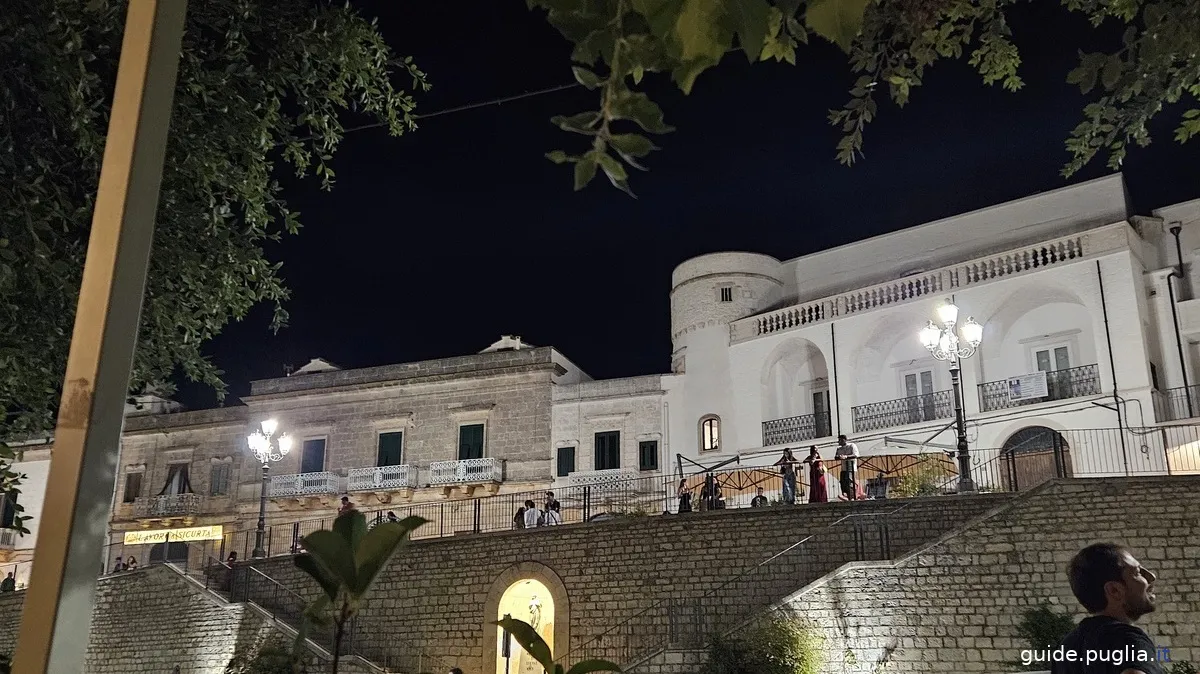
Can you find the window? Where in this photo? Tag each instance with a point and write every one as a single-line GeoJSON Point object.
{"type": "Point", "coordinates": [918, 383]}
{"type": "Point", "coordinates": [710, 433]}
{"type": "Point", "coordinates": [9, 515]}
{"type": "Point", "coordinates": [727, 294]}
{"type": "Point", "coordinates": [218, 484]}
{"type": "Point", "coordinates": [648, 455]}
{"type": "Point", "coordinates": [470, 441]}
{"type": "Point", "coordinates": [608, 450]}
{"type": "Point", "coordinates": [1052, 359]}
{"type": "Point", "coordinates": [312, 457]}
{"type": "Point", "coordinates": [178, 481]}
{"type": "Point", "coordinates": [133, 487]}
{"type": "Point", "coordinates": [566, 461]}
{"type": "Point", "coordinates": [391, 449]}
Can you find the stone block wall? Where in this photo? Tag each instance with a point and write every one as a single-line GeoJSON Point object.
{"type": "Point", "coordinates": [954, 606]}
{"type": "Point", "coordinates": [618, 578]}
{"type": "Point", "coordinates": [152, 620]}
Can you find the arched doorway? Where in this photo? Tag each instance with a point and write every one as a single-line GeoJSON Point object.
{"type": "Point", "coordinates": [529, 600]}
{"type": "Point", "coordinates": [1033, 455]}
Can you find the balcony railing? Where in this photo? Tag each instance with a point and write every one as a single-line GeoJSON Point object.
{"type": "Point", "coordinates": [1060, 385]}
{"type": "Point", "coordinates": [381, 478]}
{"type": "Point", "coordinates": [466, 471]}
{"type": "Point", "coordinates": [613, 479]}
{"type": "Point", "coordinates": [1016, 261]}
{"type": "Point", "coordinates": [795, 429]}
{"type": "Point", "coordinates": [168, 505]}
{"type": "Point", "coordinates": [1174, 404]}
{"type": "Point", "coordinates": [911, 410]}
{"type": "Point", "coordinates": [303, 484]}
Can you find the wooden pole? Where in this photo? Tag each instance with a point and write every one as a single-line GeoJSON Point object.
{"type": "Point", "coordinates": [58, 605]}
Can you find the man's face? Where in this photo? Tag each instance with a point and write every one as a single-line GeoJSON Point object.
{"type": "Point", "coordinates": [760, 491]}
{"type": "Point", "coordinates": [1135, 592]}
{"type": "Point", "coordinates": [842, 441]}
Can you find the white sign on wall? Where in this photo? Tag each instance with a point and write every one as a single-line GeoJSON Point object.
{"type": "Point", "coordinates": [1027, 386]}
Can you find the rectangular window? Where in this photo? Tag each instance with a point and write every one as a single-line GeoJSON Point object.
{"type": "Point", "coordinates": [648, 455]}
{"type": "Point", "coordinates": [608, 450]}
{"type": "Point", "coordinates": [726, 294]}
{"type": "Point", "coordinates": [1053, 360]}
{"type": "Point", "coordinates": [566, 461]}
{"type": "Point", "coordinates": [312, 458]}
{"type": "Point", "coordinates": [470, 441]}
{"type": "Point", "coordinates": [133, 487]}
{"type": "Point", "coordinates": [391, 449]}
{"type": "Point", "coordinates": [218, 485]}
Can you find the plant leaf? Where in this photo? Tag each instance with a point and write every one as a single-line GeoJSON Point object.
{"type": "Point", "coordinates": [632, 144]}
{"type": "Point", "coordinates": [351, 526]}
{"type": "Point", "coordinates": [586, 77]}
{"type": "Point", "coordinates": [331, 552]}
{"type": "Point", "coordinates": [328, 583]}
{"type": "Point", "coordinates": [587, 666]}
{"type": "Point", "coordinates": [377, 547]}
{"type": "Point", "coordinates": [638, 107]}
{"type": "Point", "coordinates": [585, 170]}
{"type": "Point", "coordinates": [750, 23]}
{"type": "Point", "coordinates": [838, 21]}
{"type": "Point", "coordinates": [529, 639]}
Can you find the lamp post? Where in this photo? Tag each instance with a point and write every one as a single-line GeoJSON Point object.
{"type": "Point", "coordinates": [945, 344]}
{"type": "Point", "coordinates": [266, 448]}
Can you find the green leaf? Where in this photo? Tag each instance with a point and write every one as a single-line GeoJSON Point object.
{"type": "Point", "coordinates": [331, 552]}
{"type": "Point", "coordinates": [632, 144]}
{"type": "Point", "coordinates": [1112, 72]}
{"type": "Point", "coordinates": [351, 526]}
{"type": "Point", "coordinates": [560, 157]}
{"type": "Point", "coordinates": [615, 172]}
{"type": "Point", "coordinates": [585, 170]}
{"type": "Point", "coordinates": [637, 73]}
{"type": "Point", "coordinates": [838, 21]}
{"type": "Point", "coordinates": [530, 640]}
{"type": "Point", "coordinates": [587, 666]}
{"type": "Point", "coordinates": [750, 23]}
{"type": "Point", "coordinates": [638, 107]}
{"type": "Point", "coordinates": [580, 123]}
{"type": "Point", "coordinates": [328, 583]}
{"type": "Point", "coordinates": [377, 547]}
{"type": "Point", "coordinates": [586, 77]}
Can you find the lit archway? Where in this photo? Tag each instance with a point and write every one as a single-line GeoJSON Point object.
{"type": "Point", "coordinates": [512, 593]}
{"type": "Point", "coordinates": [531, 601]}
{"type": "Point", "coordinates": [1033, 455]}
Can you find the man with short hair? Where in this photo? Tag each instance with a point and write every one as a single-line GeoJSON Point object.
{"type": "Point", "coordinates": [759, 501]}
{"type": "Point", "coordinates": [553, 513]}
{"type": "Point", "coordinates": [1116, 590]}
{"type": "Point", "coordinates": [848, 453]}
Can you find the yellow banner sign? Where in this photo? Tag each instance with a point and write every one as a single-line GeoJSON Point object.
{"type": "Point", "coordinates": [209, 533]}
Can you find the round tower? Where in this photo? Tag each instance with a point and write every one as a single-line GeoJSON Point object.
{"type": "Point", "coordinates": [711, 291]}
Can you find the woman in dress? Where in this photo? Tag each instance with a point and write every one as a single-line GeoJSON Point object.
{"type": "Point", "coordinates": [685, 497]}
{"type": "Point", "coordinates": [787, 467]}
{"type": "Point", "coordinates": [817, 492]}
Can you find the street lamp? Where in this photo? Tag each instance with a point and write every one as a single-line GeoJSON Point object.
{"type": "Point", "coordinates": [266, 448]}
{"type": "Point", "coordinates": [947, 343]}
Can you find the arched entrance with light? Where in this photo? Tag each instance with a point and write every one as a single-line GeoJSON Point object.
{"type": "Point", "coordinates": [531, 592]}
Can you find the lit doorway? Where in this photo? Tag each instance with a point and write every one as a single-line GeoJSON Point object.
{"type": "Point", "coordinates": [527, 600]}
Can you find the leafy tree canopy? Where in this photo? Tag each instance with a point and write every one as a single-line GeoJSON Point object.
{"type": "Point", "coordinates": [890, 44]}
{"type": "Point", "coordinates": [262, 87]}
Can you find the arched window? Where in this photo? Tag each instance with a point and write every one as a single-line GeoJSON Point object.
{"type": "Point", "coordinates": [710, 433]}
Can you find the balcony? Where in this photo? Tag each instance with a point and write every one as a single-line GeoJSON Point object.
{"type": "Point", "coordinates": [167, 506]}
{"type": "Point", "coordinates": [1060, 385]}
{"type": "Point", "coordinates": [381, 478]}
{"type": "Point", "coordinates": [303, 484]}
{"type": "Point", "coordinates": [466, 471]}
{"type": "Point", "coordinates": [795, 429]}
{"type": "Point", "coordinates": [1176, 404]}
{"type": "Point", "coordinates": [1000, 266]}
{"type": "Point", "coordinates": [904, 411]}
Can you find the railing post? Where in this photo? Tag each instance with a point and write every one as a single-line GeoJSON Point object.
{"type": "Point", "coordinates": [295, 536]}
{"type": "Point", "coordinates": [478, 513]}
{"type": "Point", "coordinates": [587, 502]}
{"type": "Point", "coordinates": [1059, 462]}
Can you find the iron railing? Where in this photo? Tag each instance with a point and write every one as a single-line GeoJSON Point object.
{"type": "Point", "coordinates": [381, 478]}
{"type": "Point", "coordinates": [1060, 385]}
{"type": "Point", "coordinates": [303, 484]}
{"type": "Point", "coordinates": [1175, 404]}
{"type": "Point", "coordinates": [795, 429]}
{"type": "Point", "coordinates": [466, 471]}
{"type": "Point", "coordinates": [903, 411]}
{"type": "Point", "coordinates": [168, 505]}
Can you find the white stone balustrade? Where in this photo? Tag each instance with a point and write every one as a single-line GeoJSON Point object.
{"type": "Point", "coordinates": [615, 479]}
{"type": "Point", "coordinates": [303, 484]}
{"type": "Point", "coordinates": [168, 505]}
{"type": "Point", "coordinates": [1019, 260]}
{"type": "Point", "coordinates": [466, 471]}
{"type": "Point", "coordinates": [378, 478]}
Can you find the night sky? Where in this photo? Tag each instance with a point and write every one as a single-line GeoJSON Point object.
{"type": "Point", "coordinates": [436, 243]}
